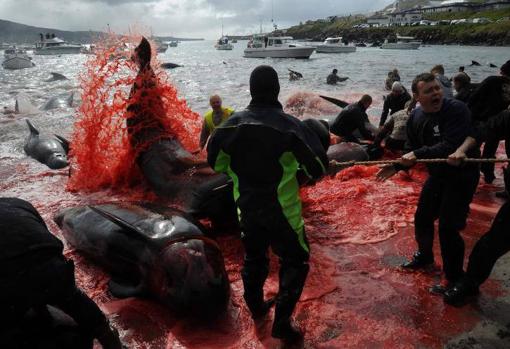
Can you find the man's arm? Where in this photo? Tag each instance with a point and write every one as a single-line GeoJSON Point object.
{"type": "Point", "coordinates": [204, 134]}
{"type": "Point", "coordinates": [312, 157]}
{"type": "Point", "coordinates": [90, 318]}
{"type": "Point", "coordinates": [362, 128]}
{"type": "Point", "coordinates": [386, 110]}
{"type": "Point", "coordinates": [496, 128]}
{"type": "Point", "coordinates": [384, 131]}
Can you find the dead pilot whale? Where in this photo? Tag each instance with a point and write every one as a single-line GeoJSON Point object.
{"type": "Point", "coordinates": [51, 151]}
{"type": "Point", "coordinates": [158, 253]}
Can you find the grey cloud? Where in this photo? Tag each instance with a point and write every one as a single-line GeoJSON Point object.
{"type": "Point", "coordinates": [119, 2]}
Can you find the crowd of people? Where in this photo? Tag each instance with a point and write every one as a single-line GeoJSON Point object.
{"type": "Point", "coordinates": [268, 154]}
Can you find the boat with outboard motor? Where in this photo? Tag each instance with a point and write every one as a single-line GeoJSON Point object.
{"type": "Point", "coordinates": [16, 58]}
{"type": "Point", "coordinates": [223, 44]}
{"type": "Point", "coordinates": [335, 45]}
{"type": "Point", "coordinates": [276, 47]}
{"type": "Point", "coordinates": [402, 43]}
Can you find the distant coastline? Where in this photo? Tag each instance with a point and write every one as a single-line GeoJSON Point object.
{"type": "Point", "coordinates": [17, 33]}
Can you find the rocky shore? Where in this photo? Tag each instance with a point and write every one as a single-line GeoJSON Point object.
{"type": "Point", "coordinates": [493, 34]}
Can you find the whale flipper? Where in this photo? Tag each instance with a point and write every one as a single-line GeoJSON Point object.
{"type": "Point", "coordinates": [33, 130]}
{"type": "Point", "coordinates": [128, 228]}
{"type": "Point", "coordinates": [340, 103]}
{"type": "Point", "coordinates": [120, 289]}
{"type": "Point", "coordinates": [65, 143]}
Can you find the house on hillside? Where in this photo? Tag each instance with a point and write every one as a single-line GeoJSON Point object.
{"type": "Point", "coordinates": [378, 20]}
{"type": "Point", "coordinates": [460, 6]}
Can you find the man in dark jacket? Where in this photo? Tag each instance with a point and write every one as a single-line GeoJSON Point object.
{"type": "Point", "coordinates": [35, 275]}
{"type": "Point", "coordinates": [351, 118]}
{"type": "Point", "coordinates": [394, 101]}
{"type": "Point", "coordinates": [464, 87]}
{"type": "Point", "coordinates": [435, 130]}
{"type": "Point", "coordinates": [489, 99]}
{"type": "Point", "coordinates": [496, 242]}
{"type": "Point", "coordinates": [261, 149]}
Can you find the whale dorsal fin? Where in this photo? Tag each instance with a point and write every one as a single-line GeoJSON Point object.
{"type": "Point", "coordinates": [32, 128]}
{"type": "Point", "coordinates": [58, 76]}
{"type": "Point", "coordinates": [339, 102]}
{"type": "Point", "coordinates": [128, 228]}
{"type": "Point", "coordinates": [65, 143]}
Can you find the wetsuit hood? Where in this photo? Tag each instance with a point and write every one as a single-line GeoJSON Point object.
{"type": "Point", "coordinates": [264, 87]}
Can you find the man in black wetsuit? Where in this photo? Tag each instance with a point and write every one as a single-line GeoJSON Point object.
{"type": "Point", "coordinates": [489, 99]}
{"type": "Point", "coordinates": [35, 275]}
{"type": "Point", "coordinates": [435, 130]}
{"type": "Point", "coordinates": [261, 149]}
{"type": "Point", "coordinates": [352, 118]}
{"type": "Point", "coordinates": [496, 242]}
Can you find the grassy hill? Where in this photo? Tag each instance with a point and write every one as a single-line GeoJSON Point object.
{"type": "Point", "coordinates": [13, 32]}
{"type": "Point", "coordinates": [495, 33]}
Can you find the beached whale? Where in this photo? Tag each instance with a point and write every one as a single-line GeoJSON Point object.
{"type": "Point", "coordinates": [344, 152]}
{"type": "Point", "coordinates": [51, 151]}
{"type": "Point", "coordinates": [23, 105]}
{"type": "Point", "coordinates": [158, 253]}
{"type": "Point", "coordinates": [163, 161]}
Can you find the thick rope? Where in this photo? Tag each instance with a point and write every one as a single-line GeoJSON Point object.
{"type": "Point", "coordinates": [428, 161]}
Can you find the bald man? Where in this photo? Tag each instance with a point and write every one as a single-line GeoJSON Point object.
{"type": "Point", "coordinates": [213, 118]}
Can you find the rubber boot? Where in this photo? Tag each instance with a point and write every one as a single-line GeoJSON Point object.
{"type": "Point", "coordinates": [292, 281]}
{"type": "Point", "coordinates": [254, 274]}
{"type": "Point", "coordinates": [419, 261]}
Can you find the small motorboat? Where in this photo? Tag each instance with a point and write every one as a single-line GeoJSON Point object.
{"type": "Point", "coordinates": [15, 58]}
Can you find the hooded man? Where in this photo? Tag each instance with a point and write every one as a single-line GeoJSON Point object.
{"type": "Point", "coordinates": [261, 149]}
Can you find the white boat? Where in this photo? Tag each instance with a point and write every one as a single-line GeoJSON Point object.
{"type": "Point", "coordinates": [52, 45]}
{"type": "Point", "coordinates": [161, 46]}
{"type": "Point", "coordinates": [276, 47]}
{"type": "Point", "coordinates": [15, 58]}
{"type": "Point", "coordinates": [335, 45]}
{"type": "Point", "coordinates": [223, 44]}
{"type": "Point", "coordinates": [403, 43]}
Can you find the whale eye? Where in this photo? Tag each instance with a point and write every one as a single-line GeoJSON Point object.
{"type": "Point", "coordinates": [163, 228]}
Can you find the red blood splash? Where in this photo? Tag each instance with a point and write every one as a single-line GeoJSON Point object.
{"type": "Point", "coordinates": [101, 153]}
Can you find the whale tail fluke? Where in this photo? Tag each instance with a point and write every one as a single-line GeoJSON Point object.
{"type": "Point", "coordinates": [32, 128]}
{"type": "Point", "coordinates": [143, 53]}
{"type": "Point", "coordinates": [340, 103]}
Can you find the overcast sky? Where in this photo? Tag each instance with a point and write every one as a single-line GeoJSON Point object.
{"type": "Point", "coordinates": [183, 18]}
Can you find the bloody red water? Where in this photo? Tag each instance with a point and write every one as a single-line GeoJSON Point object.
{"type": "Point", "coordinates": [359, 230]}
